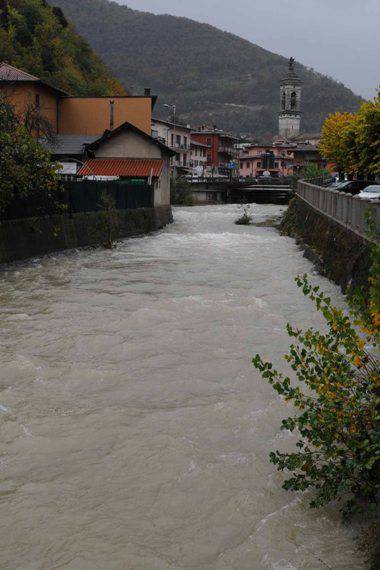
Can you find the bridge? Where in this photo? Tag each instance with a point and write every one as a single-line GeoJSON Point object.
{"type": "Point", "coordinates": [262, 194]}
{"type": "Point", "coordinates": [235, 192]}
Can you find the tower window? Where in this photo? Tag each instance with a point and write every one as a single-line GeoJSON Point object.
{"type": "Point", "coordinates": [293, 100]}
{"type": "Point", "coordinates": [283, 101]}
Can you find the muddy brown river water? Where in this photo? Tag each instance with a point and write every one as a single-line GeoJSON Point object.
{"type": "Point", "coordinates": [134, 430]}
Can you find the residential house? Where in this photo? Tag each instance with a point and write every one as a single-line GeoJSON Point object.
{"type": "Point", "coordinates": [222, 155]}
{"type": "Point", "coordinates": [198, 158]}
{"type": "Point", "coordinates": [306, 153]}
{"type": "Point", "coordinates": [277, 160]}
{"type": "Point", "coordinates": [67, 115]}
{"type": "Point", "coordinates": [177, 137]}
{"type": "Point", "coordinates": [127, 152]}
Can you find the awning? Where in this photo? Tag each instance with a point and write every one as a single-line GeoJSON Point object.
{"type": "Point", "coordinates": [128, 167]}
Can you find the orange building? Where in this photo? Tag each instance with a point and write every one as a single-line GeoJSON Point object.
{"type": "Point", "coordinates": [74, 115]}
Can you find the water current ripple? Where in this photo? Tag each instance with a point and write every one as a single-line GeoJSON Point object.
{"type": "Point", "coordinates": [134, 431]}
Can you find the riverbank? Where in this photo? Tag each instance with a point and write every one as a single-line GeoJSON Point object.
{"type": "Point", "coordinates": [30, 237]}
{"type": "Point", "coordinates": [339, 254]}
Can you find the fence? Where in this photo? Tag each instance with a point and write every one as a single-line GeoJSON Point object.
{"type": "Point", "coordinates": [82, 196]}
{"type": "Point", "coordinates": [89, 195]}
{"type": "Point", "coordinates": [346, 209]}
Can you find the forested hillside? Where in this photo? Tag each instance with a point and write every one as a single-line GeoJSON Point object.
{"type": "Point", "coordinates": [211, 75]}
{"type": "Point", "coordinates": [38, 39]}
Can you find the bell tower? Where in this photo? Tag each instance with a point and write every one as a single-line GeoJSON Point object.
{"type": "Point", "coordinates": [290, 103]}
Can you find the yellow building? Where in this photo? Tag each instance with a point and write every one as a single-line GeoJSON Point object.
{"type": "Point", "coordinates": [67, 115]}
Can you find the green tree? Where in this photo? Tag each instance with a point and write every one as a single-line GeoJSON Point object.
{"type": "Point", "coordinates": [38, 38]}
{"type": "Point", "coordinates": [27, 174]}
{"type": "Point", "coordinates": [335, 393]}
{"type": "Point", "coordinates": [309, 172]}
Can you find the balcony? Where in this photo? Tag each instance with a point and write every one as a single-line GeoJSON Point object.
{"type": "Point", "coordinates": [180, 147]}
{"type": "Point", "coordinates": [226, 150]}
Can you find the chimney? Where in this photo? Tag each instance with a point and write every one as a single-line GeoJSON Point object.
{"type": "Point", "coordinates": [147, 91]}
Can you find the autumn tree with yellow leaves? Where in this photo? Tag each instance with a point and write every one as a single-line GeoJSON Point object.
{"type": "Point", "coordinates": [351, 142]}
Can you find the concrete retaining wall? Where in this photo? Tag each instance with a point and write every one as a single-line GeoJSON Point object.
{"type": "Point", "coordinates": [30, 237]}
{"type": "Point", "coordinates": [340, 254]}
{"type": "Point", "coordinates": [348, 210]}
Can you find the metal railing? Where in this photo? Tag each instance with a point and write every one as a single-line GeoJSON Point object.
{"type": "Point", "coordinates": [348, 210]}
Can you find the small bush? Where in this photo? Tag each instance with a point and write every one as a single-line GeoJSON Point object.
{"type": "Point", "coordinates": [180, 193]}
{"type": "Point", "coordinates": [246, 217]}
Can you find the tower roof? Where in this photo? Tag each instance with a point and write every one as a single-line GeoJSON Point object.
{"type": "Point", "coordinates": [291, 77]}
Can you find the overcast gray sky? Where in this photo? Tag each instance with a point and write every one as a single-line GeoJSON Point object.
{"type": "Point", "coordinates": [340, 38]}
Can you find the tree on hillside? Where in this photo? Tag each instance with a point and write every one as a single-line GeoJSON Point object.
{"type": "Point", "coordinates": [38, 38]}
{"type": "Point", "coordinates": [27, 175]}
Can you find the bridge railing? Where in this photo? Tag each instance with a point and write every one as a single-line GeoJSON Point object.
{"type": "Point", "coordinates": [346, 209]}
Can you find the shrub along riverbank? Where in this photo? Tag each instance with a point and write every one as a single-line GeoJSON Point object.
{"type": "Point", "coordinates": [335, 386]}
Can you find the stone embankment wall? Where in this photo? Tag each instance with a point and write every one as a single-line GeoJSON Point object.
{"type": "Point", "coordinates": [338, 252]}
{"type": "Point", "coordinates": [30, 237]}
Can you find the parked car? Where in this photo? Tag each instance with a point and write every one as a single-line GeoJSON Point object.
{"type": "Point", "coordinates": [371, 192]}
{"type": "Point", "coordinates": [351, 186]}
{"type": "Point", "coordinates": [343, 186]}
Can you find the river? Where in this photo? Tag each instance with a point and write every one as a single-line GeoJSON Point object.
{"type": "Point", "coordinates": [135, 431]}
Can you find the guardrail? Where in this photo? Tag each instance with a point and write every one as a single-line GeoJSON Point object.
{"type": "Point", "coordinates": [348, 210]}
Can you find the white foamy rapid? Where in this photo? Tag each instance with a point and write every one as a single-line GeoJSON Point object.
{"type": "Point", "coordinates": [135, 431]}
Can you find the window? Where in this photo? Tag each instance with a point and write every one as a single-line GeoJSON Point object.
{"type": "Point", "coordinates": [112, 114]}
{"type": "Point", "coordinates": [276, 164]}
{"type": "Point", "coordinates": [293, 100]}
{"type": "Point", "coordinates": [259, 163]}
{"type": "Point", "coordinates": [209, 141]}
{"type": "Point", "coordinates": [284, 101]}
{"type": "Point", "coordinates": [178, 140]}
{"type": "Point", "coordinates": [172, 139]}
{"type": "Point", "coordinates": [248, 164]}
{"type": "Point", "coordinates": [185, 141]}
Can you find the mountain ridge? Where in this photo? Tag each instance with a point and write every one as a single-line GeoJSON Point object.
{"type": "Point", "coordinates": [213, 76]}
{"type": "Point", "coordinates": [38, 39]}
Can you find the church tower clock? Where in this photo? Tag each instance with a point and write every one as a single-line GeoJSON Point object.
{"type": "Point", "coordinates": [290, 101]}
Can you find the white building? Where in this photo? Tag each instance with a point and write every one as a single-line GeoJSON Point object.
{"type": "Point", "coordinates": [198, 158]}
{"type": "Point", "coordinates": [178, 138]}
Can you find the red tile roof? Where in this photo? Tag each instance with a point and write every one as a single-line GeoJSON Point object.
{"type": "Point", "coordinates": [130, 167]}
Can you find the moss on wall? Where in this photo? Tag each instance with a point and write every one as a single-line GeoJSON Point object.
{"type": "Point", "coordinates": [20, 239]}
{"type": "Point", "coordinates": [339, 254]}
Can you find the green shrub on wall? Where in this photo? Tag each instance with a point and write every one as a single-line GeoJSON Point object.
{"type": "Point", "coordinates": [335, 394]}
